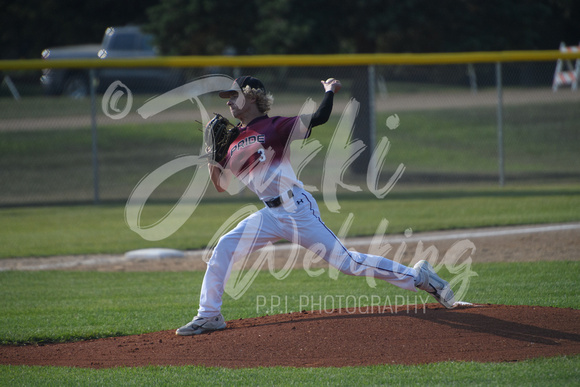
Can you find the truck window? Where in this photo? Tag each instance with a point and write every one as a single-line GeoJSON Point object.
{"type": "Point", "coordinates": [123, 42]}
{"type": "Point", "coordinates": [146, 43]}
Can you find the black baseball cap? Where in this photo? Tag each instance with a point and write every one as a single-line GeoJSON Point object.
{"type": "Point", "coordinates": [242, 82]}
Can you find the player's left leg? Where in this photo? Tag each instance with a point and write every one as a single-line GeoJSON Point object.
{"type": "Point", "coordinates": [315, 236]}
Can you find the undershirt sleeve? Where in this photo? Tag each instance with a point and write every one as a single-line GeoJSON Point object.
{"type": "Point", "coordinates": [322, 114]}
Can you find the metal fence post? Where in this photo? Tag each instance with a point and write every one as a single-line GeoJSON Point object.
{"type": "Point", "coordinates": [500, 123]}
{"type": "Point", "coordinates": [363, 129]}
{"type": "Point", "coordinates": [372, 111]}
{"type": "Point", "coordinates": [95, 158]}
{"type": "Point", "coordinates": [11, 87]}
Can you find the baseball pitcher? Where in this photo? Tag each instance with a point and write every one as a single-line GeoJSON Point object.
{"type": "Point", "coordinates": [256, 151]}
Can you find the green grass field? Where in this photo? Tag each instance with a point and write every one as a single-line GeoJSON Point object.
{"type": "Point", "coordinates": [448, 145]}
{"type": "Point", "coordinates": [101, 229]}
{"type": "Point", "coordinates": [559, 371]}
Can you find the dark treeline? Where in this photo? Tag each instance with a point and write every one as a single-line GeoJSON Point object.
{"type": "Point", "coordinates": [209, 27]}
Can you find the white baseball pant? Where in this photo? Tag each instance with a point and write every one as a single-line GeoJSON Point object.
{"type": "Point", "coordinates": [302, 226]}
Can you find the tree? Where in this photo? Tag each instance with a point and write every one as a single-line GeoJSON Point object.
{"type": "Point", "coordinates": [202, 27]}
{"type": "Point", "coordinates": [298, 27]}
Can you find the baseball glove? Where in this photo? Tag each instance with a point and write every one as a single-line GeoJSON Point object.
{"type": "Point", "coordinates": [219, 133]}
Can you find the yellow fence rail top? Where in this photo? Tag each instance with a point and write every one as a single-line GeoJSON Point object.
{"type": "Point", "coordinates": [294, 60]}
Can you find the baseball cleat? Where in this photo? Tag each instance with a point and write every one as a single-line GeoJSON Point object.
{"type": "Point", "coordinates": [430, 282]}
{"type": "Point", "coordinates": [201, 325]}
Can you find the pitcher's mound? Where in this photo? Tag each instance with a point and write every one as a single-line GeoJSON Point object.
{"type": "Point", "coordinates": [335, 338]}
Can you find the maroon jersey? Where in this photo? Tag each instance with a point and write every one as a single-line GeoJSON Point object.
{"type": "Point", "coordinates": [260, 156]}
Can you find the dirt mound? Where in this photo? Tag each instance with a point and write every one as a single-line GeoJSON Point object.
{"type": "Point", "coordinates": [334, 338]}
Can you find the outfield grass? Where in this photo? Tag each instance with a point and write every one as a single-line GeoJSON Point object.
{"type": "Point", "coordinates": [459, 144]}
{"type": "Point", "coordinates": [536, 139]}
{"type": "Point", "coordinates": [101, 229]}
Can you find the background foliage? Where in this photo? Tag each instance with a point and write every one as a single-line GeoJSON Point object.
{"type": "Point", "coordinates": [206, 27]}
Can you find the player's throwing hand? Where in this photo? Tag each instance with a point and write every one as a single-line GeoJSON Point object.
{"type": "Point", "coordinates": [331, 84]}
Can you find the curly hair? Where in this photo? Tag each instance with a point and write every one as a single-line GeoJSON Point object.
{"type": "Point", "coordinates": [264, 100]}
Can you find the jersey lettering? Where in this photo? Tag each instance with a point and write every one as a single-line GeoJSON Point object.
{"type": "Point", "coordinates": [248, 141]}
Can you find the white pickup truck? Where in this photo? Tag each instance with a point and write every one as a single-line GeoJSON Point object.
{"type": "Point", "coordinates": [118, 42]}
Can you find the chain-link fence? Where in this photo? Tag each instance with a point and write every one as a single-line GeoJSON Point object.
{"type": "Point", "coordinates": [430, 125]}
